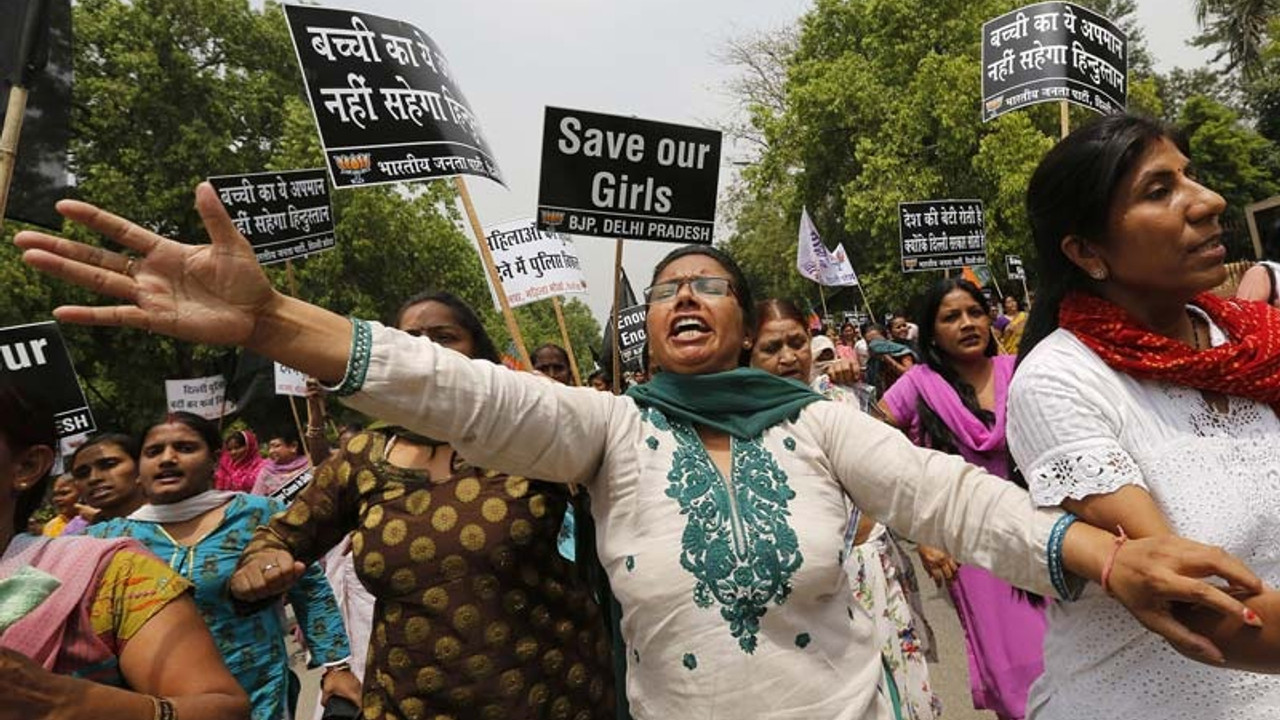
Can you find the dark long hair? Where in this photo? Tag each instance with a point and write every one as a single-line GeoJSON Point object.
{"type": "Point", "coordinates": [741, 289]}
{"type": "Point", "coordinates": [936, 433]}
{"type": "Point", "coordinates": [26, 422]}
{"type": "Point", "coordinates": [1072, 192]}
{"type": "Point", "coordinates": [463, 315]}
{"type": "Point", "coordinates": [778, 309]}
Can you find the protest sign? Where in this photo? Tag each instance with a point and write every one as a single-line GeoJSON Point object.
{"type": "Point", "coordinates": [34, 358]}
{"type": "Point", "coordinates": [531, 264]}
{"type": "Point", "coordinates": [288, 491]}
{"type": "Point", "coordinates": [1053, 51]}
{"type": "Point", "coordinates": [290, 382]}
{"type": "Point", "coordinates": [387, 107]}
{"type": "Point", "coordinates": [204, 396]}
{"type": "Point", "coordinates": [1013, 267]}
{"type": "Point", "coordinates": [284, 215]}
{"type": "Point", "coordinates": [1263, 219]}
{"type": "Point", "coordinates": [942, 234]}
{"type": "Point", "coordinates": [632, 337]}
{"type": "Point", "coordinates": [622, 177]}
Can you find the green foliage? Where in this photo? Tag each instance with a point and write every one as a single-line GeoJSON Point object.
{"type": "Point", "coordinates": [880, 105]}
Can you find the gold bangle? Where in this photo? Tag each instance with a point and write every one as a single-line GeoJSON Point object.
{"type": "Point", "coordinates": [164, 709]}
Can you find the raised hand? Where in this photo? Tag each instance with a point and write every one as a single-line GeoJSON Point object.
{"type": "Point", "coordinates": [203, 293]}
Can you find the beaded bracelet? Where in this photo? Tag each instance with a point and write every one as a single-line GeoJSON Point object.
{"type": "Point", "coordinates": [1057, 573]}
{"type": "Point", "coordinates": [358, 362]}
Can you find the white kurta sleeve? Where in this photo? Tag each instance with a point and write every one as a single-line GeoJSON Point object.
{"type": "Point", "coordinates": [514, 422]}
{"type": "Point", "coordinates": [1062, 430]}
{"type": "Point", "coordinates": [938, 499]}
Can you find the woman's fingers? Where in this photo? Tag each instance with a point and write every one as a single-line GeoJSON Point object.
{"type": "Point", "coordinates": [1191, 644]}
{"type": "Point", "coordinates": [109, 316]}
{"type": "Point", "coordinates": [91, 277]}
{"type": "Point", "coordinates": [222, 232]}
{"type": "Point", "coordinates": [121, 230]}
{"type": "Point", "coordinates": [71, 250]}
{"type": "Point", "coordinates": [1205, 561]}
{"type": "Point", "coordinates": [1198, 592]}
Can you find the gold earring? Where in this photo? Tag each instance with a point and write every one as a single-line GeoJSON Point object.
{"type": "Point", "coordinates": [1098, 274]}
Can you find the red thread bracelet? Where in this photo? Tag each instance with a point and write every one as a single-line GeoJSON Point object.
{"type": "Point", "coordinates": [1111, 560]}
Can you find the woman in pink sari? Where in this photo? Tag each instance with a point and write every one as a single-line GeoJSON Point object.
{"type": "Point", "coordinates": [92, 629]}
{"type": "Point", "coordinates": [955, 402]}
{"type": "Point", "coordinates": [240, 463]}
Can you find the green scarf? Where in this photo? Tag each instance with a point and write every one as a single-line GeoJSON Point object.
{"type": "Point", "coordinates": [743, 402]}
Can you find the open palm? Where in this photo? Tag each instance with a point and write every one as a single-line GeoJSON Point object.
{"type": "Point", "coordinates": [203, 293]}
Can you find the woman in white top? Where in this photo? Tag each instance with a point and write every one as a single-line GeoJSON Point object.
{"type": "Point", "coordinates": [719, 492]}
{"type": "Point", "coordinates": [1146, 403]}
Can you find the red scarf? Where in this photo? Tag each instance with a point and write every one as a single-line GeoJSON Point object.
{"type": "Point", "coordinates": [1247, 366]}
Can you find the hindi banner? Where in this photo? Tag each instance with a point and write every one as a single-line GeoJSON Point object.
{"type": "Point", "coordinates": [204, 396]}
{"type": "Point", "coordinates": [35, 359]}
{"type": "Point", "coordinates": [290, 381]}
{"type": "Point", "coordinates": [942, 234]}
{"type": "Point", "coordinates": [613, 176]}
{"type": "Point", "coordinates": [285, 215]}
{"type": "Point", "coordinates": [1053, 51]}
{"type": "Point", "coordinates": [385, 101]}
{"type": "Point", "coordinates": [1013, 267]}
{"type": "Point", "coordinates": [533, 265]}
{"type": "Point", "coordinates": [632, 337]}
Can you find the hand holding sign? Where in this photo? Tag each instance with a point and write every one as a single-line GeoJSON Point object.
{"type": "Point", "coordinates": [202, 293]}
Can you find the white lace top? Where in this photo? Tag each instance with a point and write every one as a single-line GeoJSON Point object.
{"type": "Point", "coordinates": [1079, 428]}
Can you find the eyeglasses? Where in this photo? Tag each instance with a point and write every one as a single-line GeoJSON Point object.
{"type": "Point", "coordinates": [701, 285]}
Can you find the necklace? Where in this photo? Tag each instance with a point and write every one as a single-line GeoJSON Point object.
{"type": "Point", "coordinates": [1195, 331]}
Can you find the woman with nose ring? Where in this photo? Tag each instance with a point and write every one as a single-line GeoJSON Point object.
{"type": "Point", "coordinates": [200, 532]}
{"type": "Point", "coordinates": [955, 402]}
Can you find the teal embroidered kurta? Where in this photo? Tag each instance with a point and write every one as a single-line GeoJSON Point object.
{"type": "Point", "coordinates": [735, 602]}
{"type": "Point", "coordinates": [252, 646]}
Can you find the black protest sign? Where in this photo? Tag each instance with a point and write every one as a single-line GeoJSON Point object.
{"type": "Point", "coordinates": [383, 97]}
{"type": "Point", "coordinates": [1013, 267]}
{"type": "Point", "coordinates": [613, 176]}
{"type": "Point", "coordinates": [632, 337]}
{"type": "Point", "coordinates": [942, 234]}
{"type": "Point", "coordinates": [1053, 51]}
{"type": "Point", "coordinates": [34, 358]}
{"type": "Point", "coordinates": [288, 491]}
{"type": "Point", "coordinates": [285, 215]}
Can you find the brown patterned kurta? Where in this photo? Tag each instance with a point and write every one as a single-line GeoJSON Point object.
{"type": "Point", "coordinates": [477, 615]}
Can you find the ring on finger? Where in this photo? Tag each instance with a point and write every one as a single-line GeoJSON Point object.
{"type": "Point", "coordinates": [269, 566]}
{"type": "Point", "coordinates": [128, 266]}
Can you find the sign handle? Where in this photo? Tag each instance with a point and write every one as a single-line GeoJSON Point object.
{"type": "Point", "coordinates": [9, 143]}
{"type": "Point", "coordinates": [822, 297]}
{"type": "Point", "coordinates": [487, 257]}
{"type": "Point", "coordinates": [617, 311]}
{"type": "Point", "coordinates": [564, 337]}
{"type": "Point", "coordinates": [1026, 295]}
{"type": "Point", "coordinates": [292, 280]}
{"type": "Point", "coordinates": [1064, 118]}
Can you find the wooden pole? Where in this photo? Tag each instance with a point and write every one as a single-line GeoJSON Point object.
{"type": "Point", "coordinates": [564, 337]}
{"type": "Point", "coordinates": [617, 312]}
{"type": "Point", "coordinates": [1064, 118]}
{"type": "Point", "coordinates": [487, 257]}
{"type": "Point", "coordinates": [292, 279]}
{"type": "Point", "coordinates": [1026, 294]}
{"type": "Point", "coordinates": [823, 297]}
{"type": "Point", "coordinates": [9, 143]}
{"type": "Point", "coordinates": [867, 303]}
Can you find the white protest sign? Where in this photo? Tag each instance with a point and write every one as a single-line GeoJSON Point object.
{"type": "Point", "coordinates": [199, 396]}
{"type": "Point", "coordinates": [290, 381]}
{"type": "Point", "coordinates": [533, 265]}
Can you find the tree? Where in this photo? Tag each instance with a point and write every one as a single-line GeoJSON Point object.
{"type": "Point", "coordinates": [880, 106]}
{"type": "Point", "coordinates": [1238, 29]}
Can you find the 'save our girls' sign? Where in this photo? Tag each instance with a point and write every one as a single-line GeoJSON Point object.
{"type": "Point", "coordinates": [34, 359]}
{"type": "Point", "coordinates": [613, 176]}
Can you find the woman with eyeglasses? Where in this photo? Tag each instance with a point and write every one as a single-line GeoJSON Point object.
{"type": "Point", "coordinates": [720, 492]}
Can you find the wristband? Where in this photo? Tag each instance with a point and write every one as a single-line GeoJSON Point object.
{"type": "Point", "coordinates": [1121, 539]}
{"type": "Point", "coordinates": [1057, 571]}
